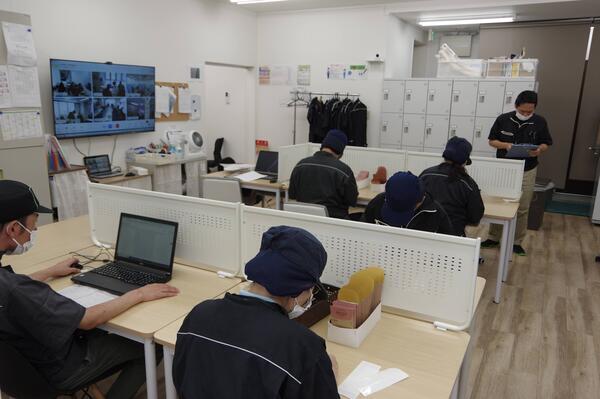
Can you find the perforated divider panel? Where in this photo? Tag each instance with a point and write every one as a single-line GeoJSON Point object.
{"type": "Point", "coordinates": [417, 162]}
{"type": "Point", "coordinates": [289, 156]}
{"type": "Point", "coordinates": [498, 177]}
{"type": "Point", "coordinates": [428, 274]}
{"type": "Point", "coordinates": [208, 233]}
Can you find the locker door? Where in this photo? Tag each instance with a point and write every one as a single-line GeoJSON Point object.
{"type": "Point", "coordinates": [439, 95]}
{"type": "Point", "coordinates": [436, 131]}
{"type": "Point", "coordinates": [482, 131]}
{"type": "Point", "coordinates": [393, 96]}
{"type": "Point", "coordinates": [464, 98]}
{"type": "Point", "coordinates": [462, 126]}
{"type": "Point", "coordinates": [513, 89]}
{"type": "Point", "coordinates": [391, 129]}
{"type": "Point", "coordinates": [490, 98]}
{"type": "Point", "coordinates": [413, 130]}
{"type": "Point", "coordinates": [415, 97]}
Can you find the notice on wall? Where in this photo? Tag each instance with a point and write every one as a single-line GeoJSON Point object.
{"type": "Point", "coordinates": [303, 75]}
{"type": "Point", "coordinates": [24, 86]}
{"type": "Point", "coordinates": [264, 75]}
{"type": "Point", "coordinates": [357, 72]}
{"type": "Point", "coordinates": [346, 72]}
{"type": "Point", "coordinates": [274, 75]}
{"type": "Point", "coordinates": [336, 72]}
{"type": "Point", "coordinates": [20, 125]}
{"type": "Point", "coordinates": [184, 99]}
{"type": "Point", "coordinates": [19, 44]}
{"type": "Point", "coordinates": [5, 97]}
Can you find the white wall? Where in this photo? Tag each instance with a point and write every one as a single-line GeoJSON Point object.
{"type": "Point", "coordinates": [169, 35]}
{"type": "Point", "coordinates": [401, 38]}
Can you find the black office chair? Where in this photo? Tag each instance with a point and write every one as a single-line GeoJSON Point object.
{"type": "Point", "coordinates": [217, 161]}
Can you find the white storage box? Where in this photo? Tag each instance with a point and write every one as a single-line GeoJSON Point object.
{"type": "Point", "coordinates": [364, 183]}
{"type": "Point", "coordinates": [498, 68]}
{"type": "Point", "coordinates": [377, 188]}
{"type": "Point", "coordinates": [463, 68]}
{"type": "Point", "coordinates": [524, 68]}
{"type": "Point", "coordinates": [354, 337]}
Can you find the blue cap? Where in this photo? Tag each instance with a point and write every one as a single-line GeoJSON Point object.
{"type": "Point", "coordinates": [336, 140]}
{"type": "Point", "coordinates": [290, 261]}
{"type": "Point", "coordinates": [403, 192]}
{"type": "Point", "coordinates": [458, 150]}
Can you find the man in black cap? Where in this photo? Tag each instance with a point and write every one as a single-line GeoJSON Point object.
{"type": "Point", "coordinates": [56, 335]}
{"type": "Point", "coordinates": [324, 179]}
{"type": "Point", "coordinates": [451, 186]}
{"type": "Point", "coordinates": [246, 346]}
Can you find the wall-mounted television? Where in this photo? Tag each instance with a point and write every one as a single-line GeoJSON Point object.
{"type": "Point", "coordinates": [98, 99]}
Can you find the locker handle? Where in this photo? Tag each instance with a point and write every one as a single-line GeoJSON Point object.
{"type": "Point", "coordinates": [408, 96]}
{"type": "Point", "coordinates": [456, 98]}
{"type": "Point", "coordinates": [386, 95]}
{"type": "Point", "coordinates": [384, 127]}
{"type": "Point", "coordinates": [431, 96]}
{"type": "Point", "coordinates": [482, 98]}
{"type": "Point", "coordinates": [452, 132]}
{"type": "Point", "coordinates": [428, 131]}
{"type": "Point", "coordinates": [405, 128]}
{"type": "Point", "coordinates": [478, 133]}
{"type": "Point", "coordinates": [509, 99]}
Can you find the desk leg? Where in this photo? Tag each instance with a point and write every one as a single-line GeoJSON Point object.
{"type": "Point", "coordinates": [150, 359]}
{"type": "Point", "coordinates": [169, 385]}
{"type": "Point", "coordinates": [454, 393]}
{"type": "Point", "coordinates": [287, 196]}
{"type": "Point", "coordinates": [503, 260]}
{"type": "Point", "coordinates": [511, 241]}
{"type": "Point", "coordinates": [278, 199]}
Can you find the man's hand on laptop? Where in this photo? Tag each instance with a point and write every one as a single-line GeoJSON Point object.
{"type": "Point", "coordinates": [61, 269]}
{"type": "Point", "coordinates": [151, 292]}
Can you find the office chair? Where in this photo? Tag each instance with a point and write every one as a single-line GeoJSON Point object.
{"type": "Point", "coordinates": [218, 160]}
{"type": "Point", "coordinates": [306, 208]}
{"type": "Point", "coordinates": [222, 189]}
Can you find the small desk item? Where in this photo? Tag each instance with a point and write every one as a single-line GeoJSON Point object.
{"type": "Point", "coordinates": [235, 167]}
{"type": "Point", "coordinates": [520, 151]}
{"type": "Point", "coordinates": [249, 176]}
{"type": "Point", "coordinates": [98, 167]}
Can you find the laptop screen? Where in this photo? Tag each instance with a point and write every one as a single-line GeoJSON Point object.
{"type": "Point", "coordinates": [97, 164]}
{"type": "Point", "coordinates": [147, 242]}
{"type": "Point", "coordinates": [267, 162]}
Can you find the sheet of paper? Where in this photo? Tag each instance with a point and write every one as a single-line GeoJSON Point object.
{"type": "Point", "coordinates": [5, 97]}
{"type": "Point", "coordinates": [20, 125]}
{"type": "Point", "coordinates": [337, 72]}
{"type": "Point", "coordinates": [280, 75]}
{"type": "Point", "coordinates": [162, 100]}
{"type": "Point", "coordinates": [264, 75]}
{"type": "Point", "coordinates": [250, 176]}
{"type": "Point", "coordinates": [24, 86]}
{"type": "Point", "coordinates": [86, 296]}
{"type": "Point", "coordinates": [19, 44]}
{"type": "Point", "coordinates": [234, 167]}
{"type": "Point", "coordinates": [196, 107]}
{"type": "Point", "coordinates": [357, 379]}
{"type": "Point", "coordinates": [185, 101]}
{"type": "Point", "coordinates": [303, 75]}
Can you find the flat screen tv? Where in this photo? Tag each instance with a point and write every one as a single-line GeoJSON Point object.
{"type": "Point", "coordinates": [99, 99]}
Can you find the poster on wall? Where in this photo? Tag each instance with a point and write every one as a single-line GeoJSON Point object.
{"type": "Point", "coordinates": [274, 75]}
{"type": "Point", "coordinates": [336, 72]}
{"type": "Point", "coordinates": [357, 72]}
{"type": "Point", "coordinates": [346, 72]}
{"type": "Point", "coordinates": [303, 76]}
{"type": "Point", "coordinates": [264, 75]}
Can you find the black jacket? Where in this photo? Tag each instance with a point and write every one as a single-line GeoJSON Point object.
{"type": "Point", "coordinates": [509, 129]}
{"type": "Point", "coordinates": [324, 179]}
{"type": "Point", "coordinates": [244, 347]}
{"type": "Point", "coordinates": [460, 196]}
{"type": "Point", "coordinates": [430, 216]}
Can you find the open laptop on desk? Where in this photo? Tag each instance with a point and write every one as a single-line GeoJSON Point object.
{"type": "Point", "coordinates": [267, 164]}
{"type": "Point", "coordinates": [98, 167]}
{"type": "Point", "coordinates": [144, 255]}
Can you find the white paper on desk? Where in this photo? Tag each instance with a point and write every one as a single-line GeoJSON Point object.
{"type": "Point", "coordinates": [20, 125]}
{"type": "Point", "coordinates": [24, 86]}
{"type": "Point", "coordinates": [250, 176]}
{"type": "Point", "coordinates": [358, 378]}
{"type": "Point", "coordinates": [19, 44]}
{"type": "Point", "coordinates": [185, 101]}
{"type": "Point", "coordinates": [234, 167]}
{"type": "Point", "coordinates": [383, 379]}
{"type": "Point", "coordinates": [5, 97]}
{"type": "Point", "coordinates": [86, 296]}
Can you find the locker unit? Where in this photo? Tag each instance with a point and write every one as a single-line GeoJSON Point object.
{"type": "Point", "coordinates": [464, 97]}
{"type": "Point", "coordinates": [413, 130]}
{"type": "Point", "coordinates": [393, 96]}
{"type": "Point", "coordinates": [415, 96]}
{"type": "Point", "coordinates": [481, 134]}
{"type": "Point", "coordinates": [490, 98]}
{"type": "Point", "coordinates": [391, 129]}
{"type": "Point", "coordinates": [513, 89]}
{"type": "Point", "coordinates": [436, 131]}
{"type": "Point", "coordinates": [462, 126]}
{"type": "Point", "coordinates": [439, 96]}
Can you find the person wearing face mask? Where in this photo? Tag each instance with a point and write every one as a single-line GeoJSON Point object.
{"type": "Point", "coordinates": [246, 346]}
{"type": "Point", "coordinates": [522, 126]}
{"type": "Point", "coordinates": [57, 336]}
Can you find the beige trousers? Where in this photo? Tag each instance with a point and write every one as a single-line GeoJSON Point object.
{"type": "Point", "coordinates": [522, 213]}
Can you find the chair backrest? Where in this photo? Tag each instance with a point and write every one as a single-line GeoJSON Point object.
{"type": "Point", "coordinates": [218, 147]}
{"type": "Point", "coordinates": [19, 379]}
{"type": "Point", "coordinates": [222, 189]}
{"type": "Point", "coordinates": [303, 207]}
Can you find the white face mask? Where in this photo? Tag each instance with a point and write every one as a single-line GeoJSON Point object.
{"type": "Point", "coordinates": [299, 309]}
{"type": "Point", "coordinates": [522, 117]}
{"type": "Point", "coordinates": [22, 248]}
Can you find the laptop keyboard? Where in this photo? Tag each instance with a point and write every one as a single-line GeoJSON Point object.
{"type": "Point", "coordinates": [124, 273]}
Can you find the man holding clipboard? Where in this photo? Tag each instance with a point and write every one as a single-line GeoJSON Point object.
{"type": "Point", "coordinates": [520, 134]}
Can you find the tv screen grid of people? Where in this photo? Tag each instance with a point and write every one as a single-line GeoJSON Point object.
{"type": "Point", "coordinates": [92, 99]}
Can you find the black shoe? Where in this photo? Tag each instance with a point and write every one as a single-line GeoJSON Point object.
{"type": "Point", "coordinates": [518, 250]}
{"type": "Point", "coordinates": [489, 244]}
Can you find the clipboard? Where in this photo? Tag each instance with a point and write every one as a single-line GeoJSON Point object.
{"type": "Point", "coordinates": [520, 151]}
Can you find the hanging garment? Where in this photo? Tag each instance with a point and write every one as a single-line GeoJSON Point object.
{"type": "Point", "coordinates": [317, 120]}
{"type": "Point", "coordinates": [357, 132]}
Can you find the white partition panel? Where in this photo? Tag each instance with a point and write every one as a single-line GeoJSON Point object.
{"type": "Point", "coordinates": [498, 177]}
{"type": "Point", "coordinates": [208, 230]}
{"type": "Point", "coordinates": [417, 162]}
{"type": "Point", "coordinates": [289, 156]}
{"type": "Point", "coordinates": [428, 274]}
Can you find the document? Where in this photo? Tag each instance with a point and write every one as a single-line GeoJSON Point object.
{"type": "Point", "coordinates": [20, 125]}
{"type": "Point", "coordinates": [24, 86]}
{"type": "Point", "coordinates": [86, 296]}
{"type": "Point", "coordinates": [185, 101]}
{"type": "Point", "coordinates": [234, 167]}
{"type": "Point", "coordinates": [368, 378]}
{"type": "Point", "coordinates": [19, 44]}
{"type": "Point", "coordinates": [163, 99]}
{"type": "Point", "coordinates": [250, 176]}
{"type": "Point", "coordinates": [5, 97]}
{"type": "Point", "coordinates": [303, 75]}
{"type": "Point", "coordinates": [520, 150]}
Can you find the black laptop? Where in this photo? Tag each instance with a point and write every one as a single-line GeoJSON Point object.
{"type": "Point", "coordinates": [267, 164]}
{"type": "Point", "coordinates": [98, 167]}
{"type": "Point", "coordinates": [144, 255]}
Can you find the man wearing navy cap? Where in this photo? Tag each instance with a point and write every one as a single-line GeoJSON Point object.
{"type": "Point", "coordinates": [324, 179]}
{"type": "Point", "coordinates": [246, 346]}
{"type": "Point", "coordinates": [405, 204]}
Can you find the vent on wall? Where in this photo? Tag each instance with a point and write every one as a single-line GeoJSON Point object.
{"type": "Point", "coordinates": [461, 44]}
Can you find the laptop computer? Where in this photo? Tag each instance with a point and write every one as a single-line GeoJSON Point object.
{"type": "Point", "coordinates": [267, 164]}
{"type": "Point", "coordinates": [98, 167]}
{"type": "Point", "coordinates": [143, 255]}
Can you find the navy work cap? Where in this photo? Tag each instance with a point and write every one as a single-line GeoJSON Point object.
{"type": "Point", "coordinates": [336, 140]}
{"type": "Point", "coordinates": [17, 200]}
{"type": "Point", "coordinates": [458, 150]}
{"type": "Point", "coordinates": [403, 192]}
{"type": "Point", "coordinates": [290, 261]}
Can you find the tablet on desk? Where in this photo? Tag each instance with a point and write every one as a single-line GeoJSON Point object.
{"type": "Point", "coordinates": [520, 150]}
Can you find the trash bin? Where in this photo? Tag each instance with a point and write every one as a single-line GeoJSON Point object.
{"type": "Point", "coordinates": [542, 194]}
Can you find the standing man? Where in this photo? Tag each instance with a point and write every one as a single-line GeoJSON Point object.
{"type": "Point", "coordinates": [522, 126]}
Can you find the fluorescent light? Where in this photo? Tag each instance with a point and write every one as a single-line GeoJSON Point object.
{"type": "Point", "coordinates": [466, 21]}
{"type": "Point", "coordinates": [254, 1]}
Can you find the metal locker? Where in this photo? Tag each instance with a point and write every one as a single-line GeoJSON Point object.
{"type": "Point", "coordinates": [464, 97]}
{"type": "Point", "coordinates": [513, 89]}
{"type": "Point", "coordinates": [482, 132]}
{"type": "Point", "coordinates": [413, 130]}
{"type": "Point", "coordinates": [436, 131]}
{"type": "Point", "coordinates": [415, 96]}
{"type": "Point", "coordinates": [462, 126]}
{"type": "Point", "coordinates": [391, 129]}
{"type": "Point", "coordinates": [439, 93]}
{"type": "Point", "coordinates": [393, 96]}
{"type": "Point", "coordinates": [490, 98]}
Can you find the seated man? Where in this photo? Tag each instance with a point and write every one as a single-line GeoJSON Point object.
{"type": "Point", "coordinates": [56, 335]}
{"type": "Point", "coordinates": [246, 346]}
{"type": "Point", "coordinates": [324, 179]}
{"type": "Point", "coordinates": [406, 204]}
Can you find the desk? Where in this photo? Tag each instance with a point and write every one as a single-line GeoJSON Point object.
{"type": "Point", "coordinates": [258, 185]}
{"type": "Point", "coordinates": [141, 182]}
